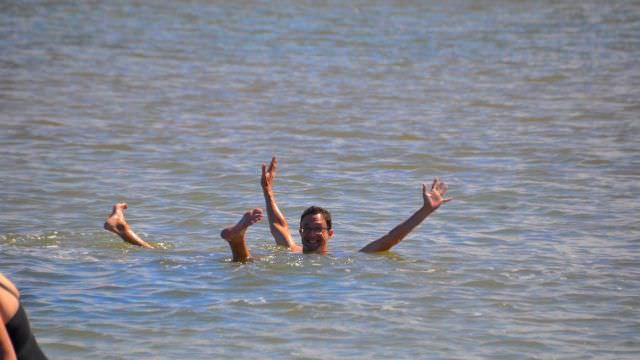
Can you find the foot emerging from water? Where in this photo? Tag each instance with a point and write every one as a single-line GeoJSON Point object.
{"type": "Point", "coordinates": [237, 231]}
{"type": "Point", "coordinates": [118, 225]}
{"type": "Point", "coordinates": [116, 222]}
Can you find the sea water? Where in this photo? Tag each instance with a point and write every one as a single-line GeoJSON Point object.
{"type": "Point", "coordinates": [527, 109]}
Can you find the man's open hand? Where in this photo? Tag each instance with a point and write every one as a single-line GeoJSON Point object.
{"type": "Point", "coordinates": [434, 198]}
{"type": "Point", "coordinates": [268, 174]}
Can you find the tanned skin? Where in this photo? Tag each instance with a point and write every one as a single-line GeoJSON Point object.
{"type": "Point", "coordinates": [235, 234]}
{"type": "Point", "coordinates": [9, 303]}
{"type": "Point", "coordinates": [278, 224]}
{"type": "Point", "coordinates": [119, 226]}
{"type": "Point", "coordinates": [432, 201]}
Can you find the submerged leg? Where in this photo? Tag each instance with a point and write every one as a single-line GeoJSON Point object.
{"type": "Point", "coordinates": [235, 234]}
{"type": "Point", "coordinates": [118, 225]}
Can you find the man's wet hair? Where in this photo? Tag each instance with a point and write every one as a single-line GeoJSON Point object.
{"type": "Point", "coordinates": [313, 210]}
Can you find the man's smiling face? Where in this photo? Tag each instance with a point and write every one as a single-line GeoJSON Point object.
{"type": "Point", "coordinates": [315, 234]}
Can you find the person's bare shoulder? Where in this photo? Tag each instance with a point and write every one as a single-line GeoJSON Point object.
{"type": "Point", "coordinates": [8, 285]}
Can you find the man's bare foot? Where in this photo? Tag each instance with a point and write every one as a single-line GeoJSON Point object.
{"type": "Point", "coordinates": [237, 231]}
{"type": "Point", "coordinates": [116, 223]}
{"type": "Point", "coordinates": [235, 235]}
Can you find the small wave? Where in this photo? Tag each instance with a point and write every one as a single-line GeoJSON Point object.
{"type": "Point", "coordinates": [248, 302]}
{"type": "Point", "coordinates": [548, 79]}
{"type": "Point", "coordinates": [175, 293]}
{"type": "Point", "coordinates": [112, 147]}
{"type": "Point", "coordinates": [47, 239]}
{"type": "Point", "coordinates": [518, 343]}
{"type": "Point", "coordinates": [47, 122]}
{"type": "Point", "coordinates": [65, 348]}
{"type": "Point", "coordinates": [486, 283]}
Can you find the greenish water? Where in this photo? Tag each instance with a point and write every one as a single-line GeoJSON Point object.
{"type": "Point", "coordinates": [529, 110]}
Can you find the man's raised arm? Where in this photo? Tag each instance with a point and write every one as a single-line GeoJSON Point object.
{"type": "Point", "coordinates": [277, 222]}
{"type": "Point", "coordinates": [432, 200]}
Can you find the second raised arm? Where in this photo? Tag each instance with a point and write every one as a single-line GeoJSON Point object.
{"type": "Point", "coordinates": [278, 224]}
{"type": "Point", "coordinates": [432, 201]}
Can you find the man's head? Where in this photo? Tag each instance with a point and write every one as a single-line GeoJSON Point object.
{"type": "Point", "coordinates": [315, 229]}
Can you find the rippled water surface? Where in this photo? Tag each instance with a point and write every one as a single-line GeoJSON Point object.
{"type": "Point", "coordinates": [528, 109]}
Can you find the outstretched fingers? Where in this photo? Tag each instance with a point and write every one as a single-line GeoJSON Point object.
{"type": "Point", "coordinates": [435, 197]}
{"type": "Point", "coordinates": [440, 186]}
{"type": "Point", "coordinates": [272, 166]}
{"type": "Point", "coordinates": [269, 173]}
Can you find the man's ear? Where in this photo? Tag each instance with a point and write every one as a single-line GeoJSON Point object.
{"type": "Point", "coordinates": [330, 232]}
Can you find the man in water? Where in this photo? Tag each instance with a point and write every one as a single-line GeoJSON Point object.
{"type": "Point", "coordinates": [315, 223]}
